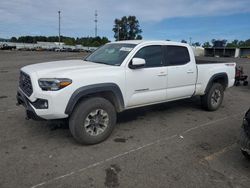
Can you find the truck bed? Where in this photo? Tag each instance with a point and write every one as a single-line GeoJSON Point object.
{"type": "Point", "coordinates": [206, 69]}
{"type": "Point", "coordinates": [208, 60]}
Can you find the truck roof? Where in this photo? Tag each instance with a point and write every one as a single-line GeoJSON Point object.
{"type": "Point", "coordinates": [151, 41]}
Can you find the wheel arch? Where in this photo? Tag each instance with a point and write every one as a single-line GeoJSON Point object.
{"type": "Point", "coordinates": [221, 78]}
{"type": "Point", "coordinates": [109, 91]}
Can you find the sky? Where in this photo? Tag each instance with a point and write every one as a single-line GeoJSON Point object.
{"type": "Point", "coordinates": [198, 20]}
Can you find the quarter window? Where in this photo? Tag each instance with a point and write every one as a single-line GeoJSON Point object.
{"type": "Point", "coordinates": [152, 54]}
{"type": "Point", "coordinates": [177, 55]}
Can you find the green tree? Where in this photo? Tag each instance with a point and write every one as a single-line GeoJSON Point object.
{"type": "Point", "coordinates": [90, 41]}
{"type": "Point", "coordinates": [219, 43]}
{"type": "Point", "coordinates": [196, 44]}
{"type": "Point", "coordinates": [127, 28]}
{"type": "Point", "coordinates": [213, 42]}
{"type": "Point", "coordinates": [96, 43]}
{"type": "Point", "coordinates": [105, 40]}
{"type": "Point", "coordinates": [247, 43]}
{"type": "Point", "coordinates": [183, 41]}
{"type": "Point", "coordinates": [234, 43]}
{"type": "Point", "coordinates": [206, 45]}
{"type": "Point", "coordinates": [13, 39]}
{"type": "Point", "coordinates": [68, 40]}
{"type": "Point", "coordinates": [85, 41]}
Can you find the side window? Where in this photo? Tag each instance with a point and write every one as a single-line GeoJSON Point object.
{"type": "Point", "coordinates": [177, 55]}
{"type": "Point", "coordinates": [152, 54]}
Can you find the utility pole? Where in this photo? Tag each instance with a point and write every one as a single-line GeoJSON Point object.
{"type": "Point", "coordinates": [190, 41]}
{"type": "Point", "coordinates": [96, 23]}
{"type": "Point", "coordinates": [59, 34]}
{"type": "Point", "coordinates": [118, 37]}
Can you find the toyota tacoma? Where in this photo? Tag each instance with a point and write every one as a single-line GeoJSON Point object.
{"type": "Point", "coordinates": [116, 77]}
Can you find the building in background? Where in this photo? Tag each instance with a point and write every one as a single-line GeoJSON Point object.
{"type": "Point", "coordinates": [198, 51]}
{"type": "Point", "coordinates": [244, 52]}
{"type": "Point", "coordinates": [227, 52]}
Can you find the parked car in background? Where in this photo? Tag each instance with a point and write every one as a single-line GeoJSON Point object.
{"type": "Point", "coordinates": [245, 136]}
{"type": "Point", "coordinates": [7, 47]}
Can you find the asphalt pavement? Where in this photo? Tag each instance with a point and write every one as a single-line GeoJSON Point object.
{"type": "Point", "coordinates": [175, 144]}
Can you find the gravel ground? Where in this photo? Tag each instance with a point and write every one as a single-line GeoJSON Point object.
{"type": "Point", "coordinates": [175, 144]}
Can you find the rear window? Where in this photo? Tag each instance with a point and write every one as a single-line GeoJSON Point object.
{"type": "Point", "coordinates": [177, 55]}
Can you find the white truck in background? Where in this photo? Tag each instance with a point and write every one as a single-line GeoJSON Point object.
{"type": "Point", "coordinates": [116, 77]}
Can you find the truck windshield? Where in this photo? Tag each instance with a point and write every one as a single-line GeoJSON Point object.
{"type": "Point", "coordinates": [111, 54]}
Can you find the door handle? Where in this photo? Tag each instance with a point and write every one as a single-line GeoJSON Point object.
{"type": "Point", "coordinates": [190, 72]}
{"type": "Point", "coordinates": [162, 75]}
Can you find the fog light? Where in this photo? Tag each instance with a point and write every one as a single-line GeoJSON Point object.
{"type": "Point", "coordinates": [41, 104]}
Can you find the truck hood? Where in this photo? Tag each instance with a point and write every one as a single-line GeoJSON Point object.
{"type": "Point", "coordinates": [61, 67]}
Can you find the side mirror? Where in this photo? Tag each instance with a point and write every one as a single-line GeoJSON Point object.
{"type": "Point", "coordinates": [137, 63]}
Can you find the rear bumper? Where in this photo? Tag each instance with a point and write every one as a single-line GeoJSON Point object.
{"type": "Point", "coordinates": [30, 112]}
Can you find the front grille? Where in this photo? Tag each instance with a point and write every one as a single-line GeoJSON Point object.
{"type": "Point", "coordinates": [25, 83]}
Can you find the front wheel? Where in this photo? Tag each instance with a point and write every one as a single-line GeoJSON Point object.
{"type": "Point", "coordinates": [212, 100]}
{"type": "Point", "coordinates": [92, 121]}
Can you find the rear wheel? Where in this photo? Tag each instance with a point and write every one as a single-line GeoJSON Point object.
{"type": "Point", "coordinates": [92, 121]}
{"type": "Point", "coordinates": [212, 100]}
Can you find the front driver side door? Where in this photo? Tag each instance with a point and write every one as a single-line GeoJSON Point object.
{"type": "Point", "coordinates": [147, 85]}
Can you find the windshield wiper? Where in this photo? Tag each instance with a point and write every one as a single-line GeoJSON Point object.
{"type": "Point", "coordinates": [100, 62]}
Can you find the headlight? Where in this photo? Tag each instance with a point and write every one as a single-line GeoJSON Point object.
{"type": "Point", "coordinates": [53, 84]}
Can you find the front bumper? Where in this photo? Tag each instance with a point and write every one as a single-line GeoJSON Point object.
{"type": "Point", "coordinates": [43, 105]}
{"type": "Point", "coordinates": [30, 112]}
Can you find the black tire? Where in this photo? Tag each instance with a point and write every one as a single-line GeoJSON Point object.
{"type": "Point", "coordinates": [82, 113]}
{"type": "Point", "coordinates": [208, 100]}
{"type": "Point", "coordinates": [244, 143]}
{"type": "Point", "coordinates": [245, 83]}
{"type": "Point", "coordinates": [245, 154]}
{"type": "Point", "coordinates": [237, 83]}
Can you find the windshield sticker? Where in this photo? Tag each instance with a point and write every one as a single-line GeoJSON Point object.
{"type": "Point", "coordinates": [126, 49]}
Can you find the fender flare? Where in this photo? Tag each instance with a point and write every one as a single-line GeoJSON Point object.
{"type": "Point", "coordinates": [222, 75]}
{"type": "Point", "coordinates": [93, 89]}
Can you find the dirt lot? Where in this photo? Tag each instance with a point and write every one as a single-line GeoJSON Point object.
{"type": "Point", "coordinates": [170, 145]}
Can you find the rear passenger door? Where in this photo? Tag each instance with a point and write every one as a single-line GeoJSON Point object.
{"type": "Point", "coordinates": [181, 70]}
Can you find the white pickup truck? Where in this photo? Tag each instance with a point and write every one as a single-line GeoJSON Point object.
{"type": "Point", "coordinates": [116, 77]}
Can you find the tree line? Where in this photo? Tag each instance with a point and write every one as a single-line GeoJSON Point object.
{"type": "Point", "coordinates": [85, 41]}
{"type": "Point", "coordinates": [222, 43]}
{"type": "Point", "coordinates": [125, 28]}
